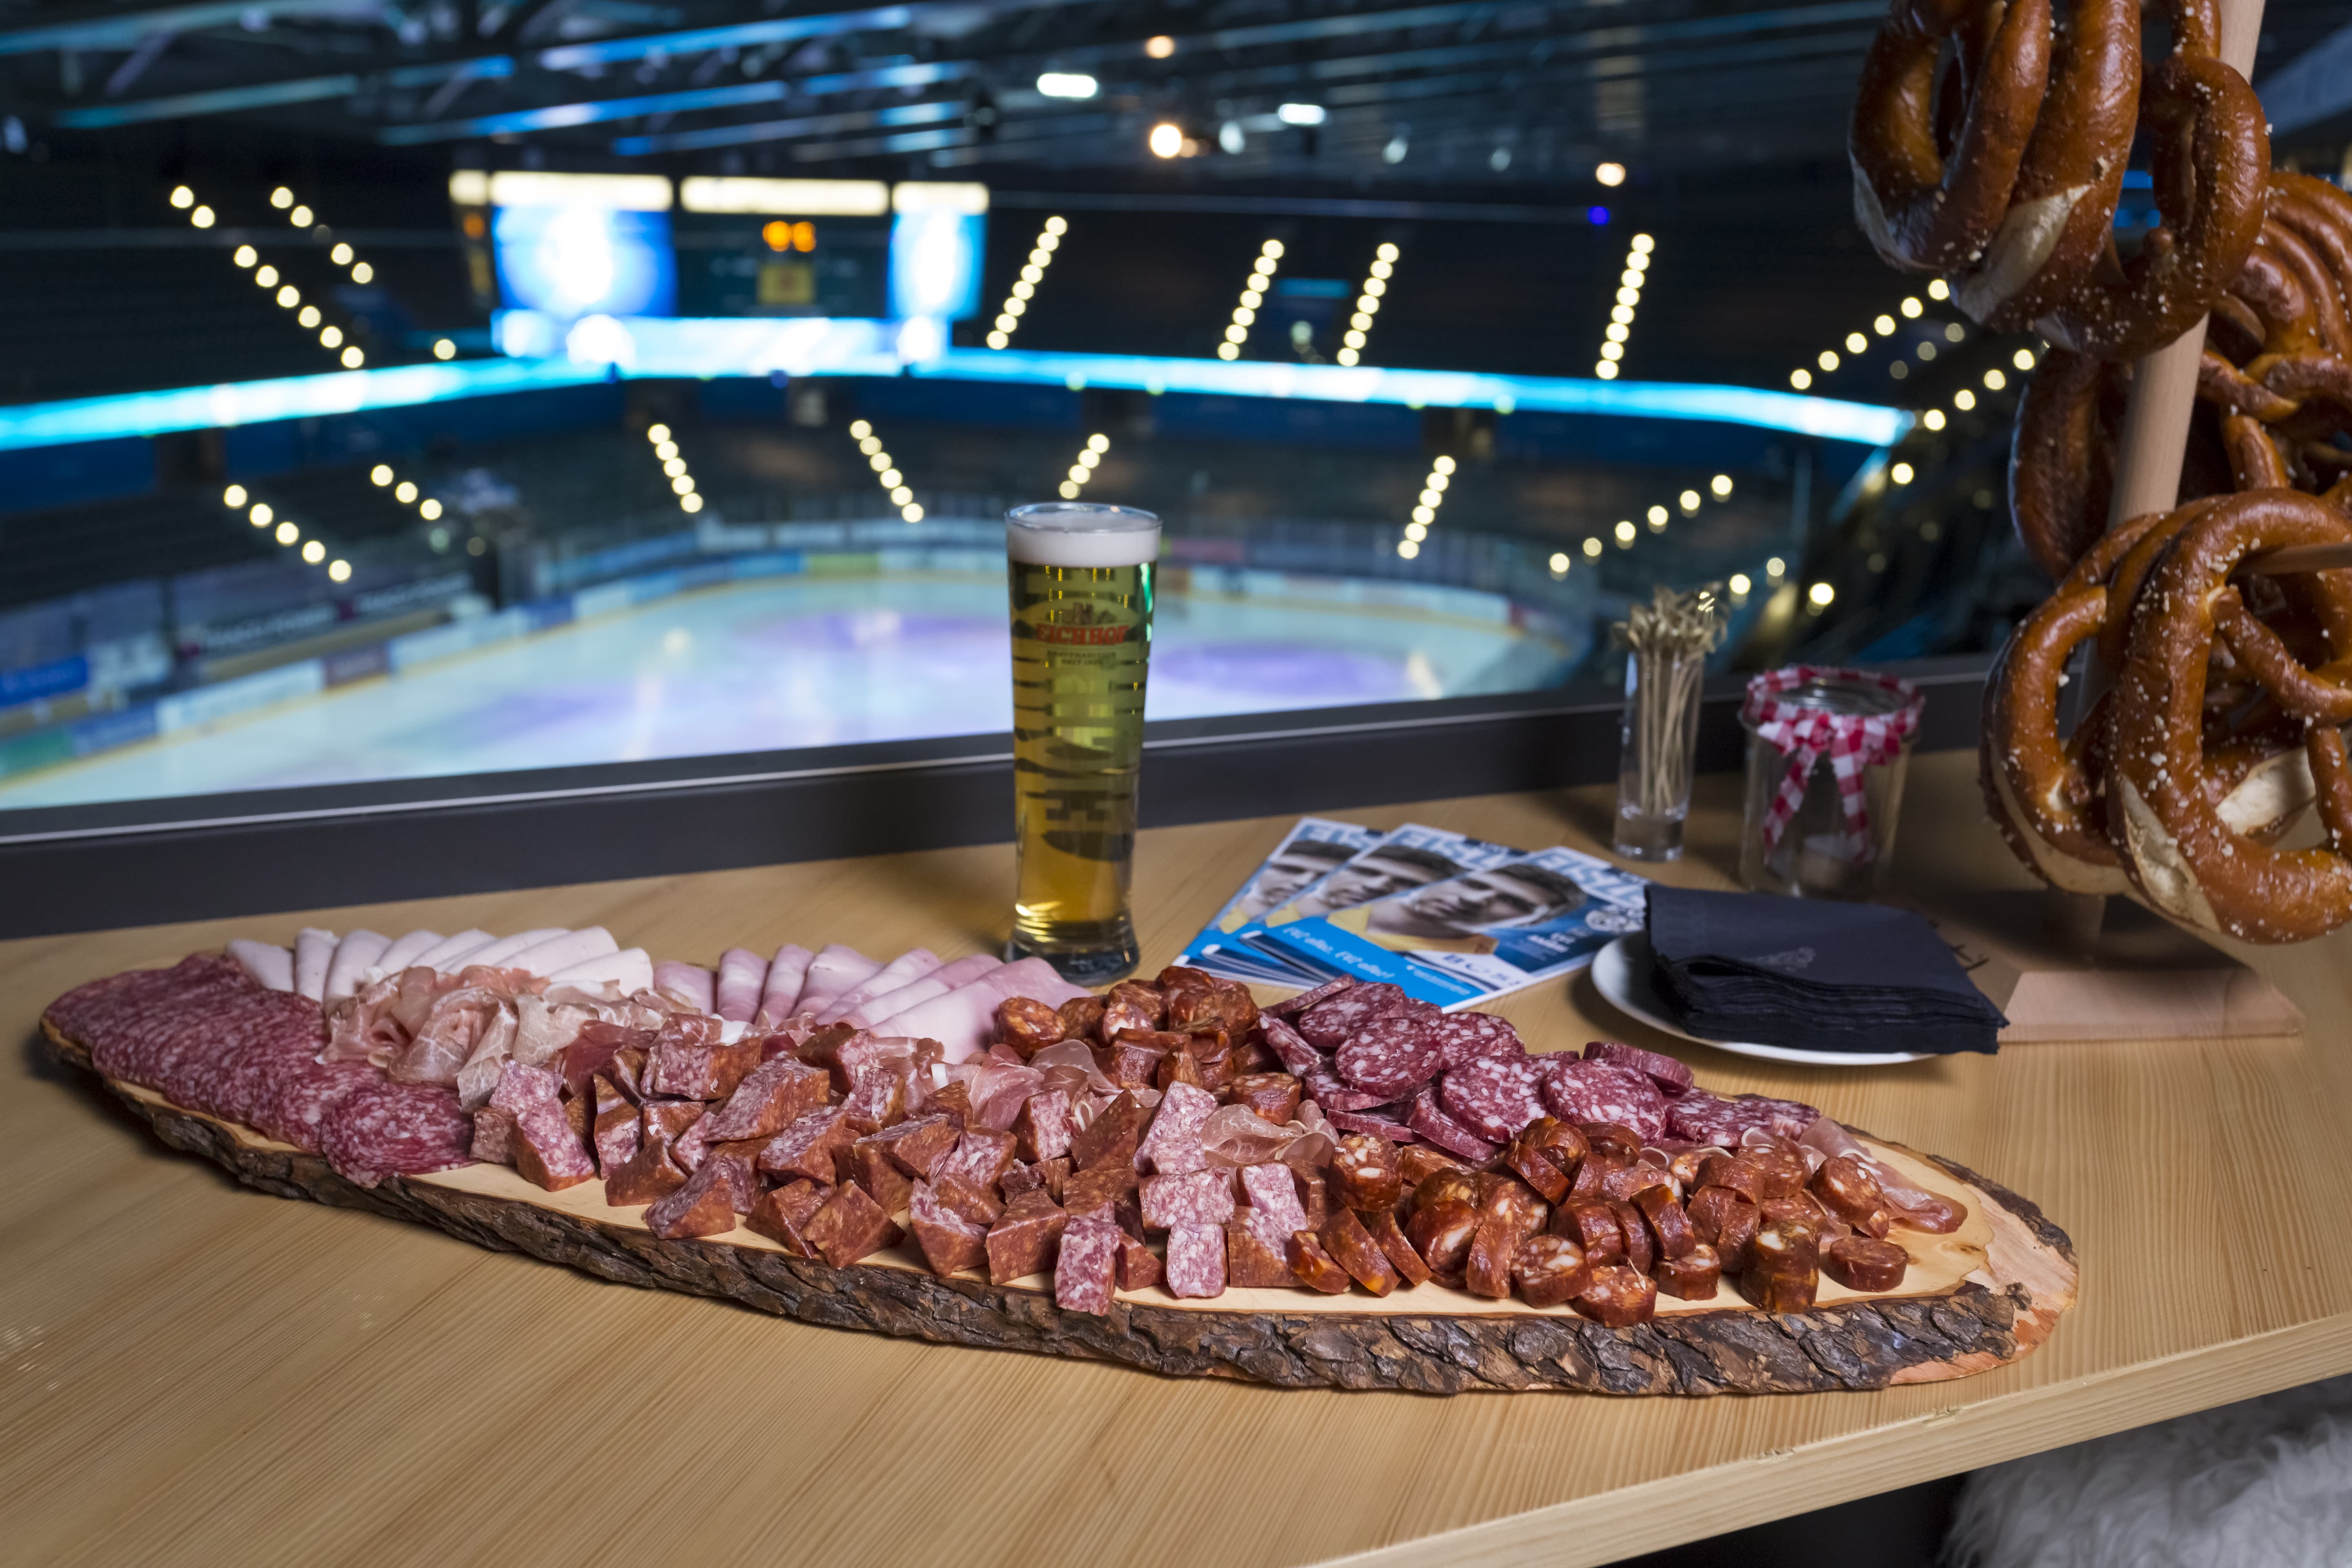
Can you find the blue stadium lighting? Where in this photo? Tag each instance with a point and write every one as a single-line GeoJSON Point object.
{"type": "Point", "coordinates": [1599, 217]}
{"type": "Point", "coordinates": [607, 347]}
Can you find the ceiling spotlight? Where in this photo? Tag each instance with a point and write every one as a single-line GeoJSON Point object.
{"type": "Point", "coordinates": [1300, 114]}
{"type": "Point", "coordinates": [1821, 594]}
{"type": "Point", "coordinates": [202, 217]}
{"type": "Point", "coordinates": [281, 198]}
{"type": "Point", "coordinates": [1900, 473]}
{"type": "Point", "coordinates": [286, 533]}
{"type": "Point", "coordinates": [1911, 309]}
{"type": "Point", "coordinates": [314, 553]}
{"type": "Point", "coordinates": [340, 572]}
{"type": "Point", "coordinates": [244, 255]}
{"type": "Point", "coordinates": [1739, 583]}
{"type": "Point", "coordinates": [1938, 290]}
{"type": "Point", "coordinates": [444, 349]}
{"type": "Point", "coordinates": [183, 197]}
{"type": "Point", "coordinates": [1720, 486]}
{"type": "Point", "coordinates": [1160, 47]}
{"type": "Point", "coordinates": [1230, 137]}
{"type": "Point", "coordinates": [1067, 84]}
{"type": "Point", "coordinates": [1395, 150]}
{"type": "Point", "coordinates": [1800, 379]}
{"type": "Point", "coordinates": [1609, 173]}
{"type": "Point", "coordinates": [1166, 140]}
{"type": "Point", "coordinates": [233, 496]}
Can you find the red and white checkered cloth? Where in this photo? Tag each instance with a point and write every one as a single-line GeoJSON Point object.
{"type": "Point", "coordinates": [1852, 742]}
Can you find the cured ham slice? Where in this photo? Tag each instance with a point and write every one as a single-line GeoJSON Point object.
{"type": "Point", "coordinates": [500, 952]}
{"type": "Point", "coordinates": [741, 974]}
{"type": "Point", "coordinates": [787, 973]}
{"type": "Point", "coordinates": [831, 972]}
{"type": "Point", "coordinates": [938, 982]}
{"type": "Point", "coordinates": [632, 971]}
{"type": "Point", "coordinates": [355, 957]}
{"type": "Point", "coordinates": [269, 965]}
{"type": "Point", "coordinates": [964, 1019]}
{"type": "Point", "coordinates": [405, 951]}
{"type": "Point", "coordinates": [691, 981]}
{"type": "Point", "coordinates": [313, 950]}
{"type": "Point", "coordinates": [444, 954]}
{"type": "Point", "coordinates": [562, 953]}
{"type": "Point", "coordinates": [904, 970]}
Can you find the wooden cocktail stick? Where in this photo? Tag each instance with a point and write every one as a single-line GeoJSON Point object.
{"type": "Point", "coordinates": [2297, 558]}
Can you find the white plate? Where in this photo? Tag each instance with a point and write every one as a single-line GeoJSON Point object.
{"type": "Point", "coordinates": [1621, 973]}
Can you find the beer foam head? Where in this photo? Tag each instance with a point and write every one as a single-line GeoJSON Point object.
{"type": "Point", "coordinates": [1077, 533]}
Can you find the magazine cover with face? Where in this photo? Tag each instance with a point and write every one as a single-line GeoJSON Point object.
{"type": "Point", "coordinates": [1380, 866]}
{"type": "Point", "coordinates": [1313, 848]}
{"type": "Point", "coordinates": [1478, 935]}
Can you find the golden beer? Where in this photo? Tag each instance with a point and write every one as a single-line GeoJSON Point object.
{"type": "Point", "coordinates": [1081, 581]}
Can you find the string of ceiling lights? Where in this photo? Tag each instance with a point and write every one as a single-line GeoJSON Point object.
{"type": "Point", "coordinates": [1261, 279]}
{"type": "Point", "coordinates": [285, 531]}
{"type": "Point", "coordinates": [1433, 486]}
{"type": "Point", "coordinates": [681, 483]}
{"type": "Point", "coordinates": [1368, 303]}
{"type": "Point", "coordinates": [1089, 458]}
{"type": "Point", "coordinates": [1658, 516]}
{"type": "Point", "coordinates": [1629, 300]}
{"type": "Point", "coordinates": [1857, 344]}
{"type": "Point", "coordinates": [290, 297]}
{"type": "Point", "coordinates": [1024, 288]}
{"type": "Point", "coordinates": [878, 458]}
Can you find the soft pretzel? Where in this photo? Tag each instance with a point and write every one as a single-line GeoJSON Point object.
{"type": "Point", "coordinates": [2061, 211]}
{"type": "Point", "coordinates": [1924, 209]}
{"type": "Point", "coordinates": [2174, 844]}
{"type": "Point", "coordinates": [2062, 455]}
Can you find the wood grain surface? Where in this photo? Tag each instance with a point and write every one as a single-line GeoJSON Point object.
{"type": "Point", "coordinates": [196, 1372]}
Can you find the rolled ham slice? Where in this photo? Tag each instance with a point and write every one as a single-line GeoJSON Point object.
{"type": "Point", "coordinates": [741, 974]}
{"type": "Point", "coordinates": [938, 982]}
{"type": "Point", "coordinates": [405, 951]}
{"type": "Point", "coordinates": [831, 972]}
{"type": "Point", "coordinates": [506, 947]}
{"type": "Point", "coordinates": [355, 955]}
{"type": "Point", "coordinates": [563, 951]}
{"type": "Point", "coordinates": [266, 962]}
{"type": "Point", "coordinates": [444, 956]}
{"type": "Point", "coordinates": [631, 970]}
{"type": "Point", "coordinates": [787, 972]}
{"type": "Point", "coordinates": [313, 950]}
{"type": "Point", "coordinates": [904, 970]}
{"type": "Point", "coordinates": [690, 980]}
{"type": "Point", "coordinates": [964, 1019]}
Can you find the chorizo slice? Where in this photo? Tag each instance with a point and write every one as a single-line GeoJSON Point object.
{"type": "Point", "coordinates": [1617, 1296]}
{"type": "Point", "coordinates": [1694, 1276]}
{"type": "Point", "coordinates": [1395, 1245]}
{"type": "Point", "coordinates": [1352, 1248]}
{"type": "Point", "coordinates": [1442, 1233]}
{"type": "Point", "coordinates": [1863, 1263]}
{"type": "Point", "coordinates": [1549, 1270]}
{"type": "Point", "coordinates": [1315, 1268]}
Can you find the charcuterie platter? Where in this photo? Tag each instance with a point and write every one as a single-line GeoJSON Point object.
{"type": "Point", "coordinates": [1047, 1170]}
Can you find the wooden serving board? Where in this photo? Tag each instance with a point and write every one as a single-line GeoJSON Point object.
{"type": "Point", "coordinates": [1979, 1298]}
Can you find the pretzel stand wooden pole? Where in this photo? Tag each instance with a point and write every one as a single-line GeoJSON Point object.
{"type": "Point", "coordinates": [2147, 470]}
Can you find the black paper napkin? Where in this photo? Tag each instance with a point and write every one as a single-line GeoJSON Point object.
{"type": "Point", "coordinates": [1813, 975]}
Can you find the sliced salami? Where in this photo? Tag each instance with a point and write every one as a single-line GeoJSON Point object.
{"type": "Point", "coordinates": [1196, 1260]}
{"type": "Point", "coordinates": [1702, 1118]}
{"type": "Point", "coordinates": [1584, 1093]}
{"type": "Point", "coordinates": [1466, 1036]}
{"type": "Point", "coordinates": [1326, 1090]}
{"type": "Point", "coordinates": [1328, 1024]}
{"type": "Point", "coordinates": [1493, 1096]}
{"type": "Point", "coordinates": [1426, 1118]}
{"type": "Point", "coordinates": [303, 1096]}
{"type": "Point", "coordinates": [1390, 1057]}
{"type": "Point", "coordinates": [1373, 1122]}
{"type": "Point", "coordinates": [1286, 1043]}
{"type": "Point", "coordinates": [396, 1130]}
{"type": "Point", "coordinates": [1291, 1006]}
{"type": "Point", "coordinates": [1670, 1076]}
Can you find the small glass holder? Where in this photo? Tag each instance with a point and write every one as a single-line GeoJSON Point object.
{"type": "Point", "coordinates": [1660, 750]}
{"type": "Point", "coordinates": [1827, 752]}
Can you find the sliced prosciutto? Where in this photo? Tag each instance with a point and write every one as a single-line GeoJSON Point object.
{"type": "Point", "coordinates": [904, 970]}
{"type": "Point", "coordinates": [938, 982]}
{"type": "Point", "coordinates": [964, 1020]}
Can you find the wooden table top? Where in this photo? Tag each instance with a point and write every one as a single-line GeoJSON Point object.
{"type": "Point", "coordinates": [197, 1371]}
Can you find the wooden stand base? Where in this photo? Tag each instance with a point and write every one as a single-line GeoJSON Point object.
{"type": "Point", "coordinates": [1983, 1298]}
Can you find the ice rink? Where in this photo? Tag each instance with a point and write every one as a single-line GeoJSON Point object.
{"type": "Point", "coordinates": [770, 666]}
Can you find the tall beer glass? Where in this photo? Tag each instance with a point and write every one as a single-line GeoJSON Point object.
{"type": "Point", "coordinates": [1081, 579]}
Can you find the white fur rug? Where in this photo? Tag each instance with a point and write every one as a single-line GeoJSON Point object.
{"type": "Point", "coordinates": [2267, 1483]}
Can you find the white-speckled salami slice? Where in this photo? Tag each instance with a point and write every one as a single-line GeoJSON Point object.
{"type": "Point", "coordinates": [1702, 1118]}
{"type": "Point", "coordinates": [1466, 1036]}
{"type": "Point", "coordinates": [1432, 1122]}
{"type": "Point", "coordinates": [1290, 1006]}
{"type": "Point", "coordinates": [305, 1093]}
{"type": "Point", "coordinates": [1492, 1096]}
{"type": "Point", "coordinates": [1388, 1057]}
{"type": "Point", "coordinates": [396, 1130]}
{"type": "Point", "coordinates": [1586, 1092]}
{"type": "Point", "coordinates": [1298, 1056]}
{"type": "Point", "coordinates": [1327, 1090]}
{"type": "Point", "coordinates": [1670, 1076]}
{"type": "Point", "coordinates": [1327, 1025]}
